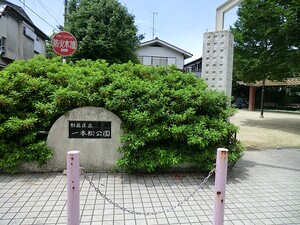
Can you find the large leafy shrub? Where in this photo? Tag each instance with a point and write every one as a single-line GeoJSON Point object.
{"type": "Point", "coordinates": [168, 117]}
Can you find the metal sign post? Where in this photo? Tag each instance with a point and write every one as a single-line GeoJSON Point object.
{"type": "Point", "coordinates": [73, 177]}
{"type": "Point", "coordinates": [220, 186]}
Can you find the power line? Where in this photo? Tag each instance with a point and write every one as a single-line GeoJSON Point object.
{"type": "Point", "coordinates": [62, 6]}
{"type": "Point", "coordinates": [48, 12]}
{"type": "Point", "coordinates": [38, 16]}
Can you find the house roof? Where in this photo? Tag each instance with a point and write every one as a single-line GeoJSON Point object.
{"type": "Point", "coordinates": [19, 9]}
{"type": "Point", "coordinates": [288, 82]}
{"type": "Point", "coordinates": [161, 43]}
{"type": "Point", "coordinates": [199, 60]}
{"type": "Point", "coordinates": [18, 12]}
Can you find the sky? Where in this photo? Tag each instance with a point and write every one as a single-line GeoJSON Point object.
{"type": "Point", "coordinates": [179, 22]}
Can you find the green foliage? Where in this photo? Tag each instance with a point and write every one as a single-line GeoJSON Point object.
{"type": "Point", "coordinates": [267, 40]}
{"type": "Point", "coordinates": [168, 117]}
{"type": "Point", "coordinates": [104, 30]}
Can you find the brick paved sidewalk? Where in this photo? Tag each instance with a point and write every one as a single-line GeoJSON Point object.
{"type": "Point", "coordinates": [263, 188]}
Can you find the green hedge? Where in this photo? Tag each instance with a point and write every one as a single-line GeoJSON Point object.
{"type": "Point", "coordinates": [168, 117]}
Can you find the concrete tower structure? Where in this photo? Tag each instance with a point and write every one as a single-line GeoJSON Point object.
{"type": "Point", "coordinates": [217, 61]}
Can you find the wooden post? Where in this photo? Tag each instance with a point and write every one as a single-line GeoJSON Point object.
{"type": "Point", "coordinates": [220, 186]}
{"type": "Point", "coordinates": [73, 177]}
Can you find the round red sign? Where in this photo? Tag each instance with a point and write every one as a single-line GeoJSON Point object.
{"type": "Point", "coordinates": [64, 43]}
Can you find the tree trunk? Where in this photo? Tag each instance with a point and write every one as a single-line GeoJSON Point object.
{"type": "Point", "coordinates": [262, 100]}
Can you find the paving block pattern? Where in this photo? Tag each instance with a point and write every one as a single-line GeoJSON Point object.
{"type": "Point", "coordinates": [262, 188]}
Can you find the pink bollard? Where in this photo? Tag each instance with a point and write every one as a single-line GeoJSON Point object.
{"type": "Point", "coordinates": [220, 186]}
{"type": "Point", "coordinates": [73, 177]}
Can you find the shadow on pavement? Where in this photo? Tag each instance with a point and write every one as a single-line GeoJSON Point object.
{"type": "Point", "coordinates": [241, 170]}
{"type": "Point", "coordinates": [289, 125]}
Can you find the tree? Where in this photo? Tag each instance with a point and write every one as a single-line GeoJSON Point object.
{"type": "Point", "coordinates": [292, 27]}
{"type": "Point", "coordinates": [104, 30]}
{"type": "Point", "coordinates": [266, 44]}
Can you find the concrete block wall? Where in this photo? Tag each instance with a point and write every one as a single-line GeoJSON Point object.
{"type": "Point", "coordinates": [217, 61]}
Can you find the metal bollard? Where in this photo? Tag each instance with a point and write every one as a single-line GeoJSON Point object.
{"type": "Point", "coordinates": [220, 186]}
{"type": "Point", "coordinates": [73, 173]}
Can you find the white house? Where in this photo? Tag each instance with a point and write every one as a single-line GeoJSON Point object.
{"type": "Point", "coordinates": [19, 37]}
{"type": "Point", "coordinates": [157, 52]}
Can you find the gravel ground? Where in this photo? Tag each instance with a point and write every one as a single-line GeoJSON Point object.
{"type": "Point", "coordinates": [276, 129]}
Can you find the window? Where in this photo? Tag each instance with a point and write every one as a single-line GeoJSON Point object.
{"type": "Point", "coordinates": [197, 67]}
{"type": "Point", "coordinates": [159, 61]}
{"type": "Point", "coordinates": [140, 58]}
{"type": "Point", "coordinates": [37, 46]}
{"type": "Point", "coordinates": [29, 32]}
{"type": "Point", "coordinates": [2, 45]}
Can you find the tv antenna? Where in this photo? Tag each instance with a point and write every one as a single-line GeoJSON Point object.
{"type": "Point", "coordinates": [153, 27]}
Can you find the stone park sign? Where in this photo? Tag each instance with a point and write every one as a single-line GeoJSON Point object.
{"type": "Point", "coordinates": [93, 131]}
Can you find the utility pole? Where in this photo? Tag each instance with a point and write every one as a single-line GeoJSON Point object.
{"type": "Point", "coordinates": [66, 11]}
{"type": "Point", "coordinates": [153, 28]}
{"type": "Point", "coordinates": [24, 5]}
{"type": "Point", "coordinates": [64, 58]}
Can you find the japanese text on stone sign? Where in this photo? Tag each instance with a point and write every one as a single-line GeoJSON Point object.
{"type": "Point", "coordinates": [89, 129]}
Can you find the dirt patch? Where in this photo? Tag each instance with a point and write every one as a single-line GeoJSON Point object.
{"type": "Point", "coordinates": [275, 130]}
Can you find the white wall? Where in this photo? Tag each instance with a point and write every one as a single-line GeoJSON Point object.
{"type": "Point", "coordinates": [13, 51]}
{"type": "Point", "coordinates": [3, 26]}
